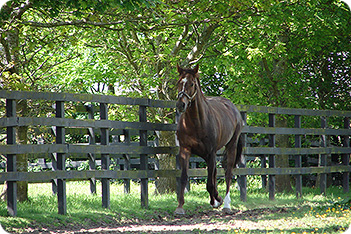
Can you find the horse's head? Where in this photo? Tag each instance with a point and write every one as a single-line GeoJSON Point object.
{"type": "Point", "coordinates": [187, 87]}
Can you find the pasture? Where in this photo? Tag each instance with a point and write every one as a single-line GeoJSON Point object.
{"type": "Point", "coordinates": [313, 213]}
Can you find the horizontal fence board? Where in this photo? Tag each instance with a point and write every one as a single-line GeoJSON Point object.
{"type": "Point", "coordinates": [132, 149]}
{"type": "Point", "coordinates": [296, 151]}
{"type": "Point", "coordinates": [87, 123]}
{"type": "Point", "coordinates": [84, 149]}
{"type": "Point", "coordinates": [84, 131]}
{"type": "Point", "coordinates": [291, 170]}
{"type": "Point", "coordinates": [74, 123]}
{"type": "Point", "coordinates": [47, 176]}
{"type": "Point", "coordinates": [121, 149]}
{"type": "Point", "coordinates": [77, 97]}
{"type": "Point", "coordinates": [292, 111]}
{"type": "Point", "coordinates": [295, 131]}
{"type": "Point", "coordinates": [162, 103]}
{"type": "Point", "coordinates": [273, 171]}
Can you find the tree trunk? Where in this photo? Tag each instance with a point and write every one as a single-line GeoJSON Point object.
{"type": "Point", "coordinates": [166, 162]}
{"type": "Point", "coordinates": [22, 159]}
{"type": "Point", "coordinates": [282, 181]}
{"type": "Point", "coordinates": [22, 165]}
{"type": "Point", "coordinates": [11, 51]}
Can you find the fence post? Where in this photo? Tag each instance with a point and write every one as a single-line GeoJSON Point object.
{"type": "Point", "coordinates": [271, 143]}
{"type": "Point", "coordinates": [91, 156]}
{"type": "Point", "coordinates": [323, 158]}
{"type": "Point", "coordinates": [54, 164]}
{"type": "Point", "coordinates": [242, 180]}
{"type": "Point", "coordinates": [346, 158]}
{"type": "Point", "coordinates": [298, 162]}
{"type": "Point", "coordinates": [105, 158]}
{"type": "Point", "coordinates": [143, 159]}
{"type": "Point", "coordinates": [263, 165]}
{"type": "Point", "coordinates": [11, 160]}
{"type": "Point", "coordinates": [61, 160]}
{"type": "Point", "coordinates": [126, 161]}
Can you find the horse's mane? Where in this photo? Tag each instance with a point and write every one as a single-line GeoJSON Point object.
{"type": "Point", "coordinates": [199, 85]}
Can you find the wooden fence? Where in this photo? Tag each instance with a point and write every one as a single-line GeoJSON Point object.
{"type": "Point", "coordinates": [104, 149]}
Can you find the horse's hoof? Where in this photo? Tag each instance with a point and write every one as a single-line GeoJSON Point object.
{"type": "Point", "coordinates": [227, 211]}
{"type": "Point", "coordinates": [218, 203]}
{"type": "Point", "coordinates": [179, 211]}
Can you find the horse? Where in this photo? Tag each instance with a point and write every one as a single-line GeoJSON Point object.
{"type": "Point", "coordinates": [206, 124]}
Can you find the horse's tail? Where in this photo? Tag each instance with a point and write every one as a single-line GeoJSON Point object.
{"type": "Point", "coordinates": [239, 150]}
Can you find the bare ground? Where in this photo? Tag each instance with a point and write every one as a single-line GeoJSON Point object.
{"type": "Point", "coordinates": [206, 221]}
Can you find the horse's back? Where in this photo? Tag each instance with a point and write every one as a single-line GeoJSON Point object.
{"type": "Point", "coordinates": [224, 108]}
{"type": "Point", "coordinates": [226, 117]}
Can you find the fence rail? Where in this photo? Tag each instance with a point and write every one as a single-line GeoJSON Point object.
{"type": "Point", "coordinates": [47, 176]}
{"type": "Point", "coordinates": [104, 149]}
{"type": "Point", "coordinates": [130, 149]}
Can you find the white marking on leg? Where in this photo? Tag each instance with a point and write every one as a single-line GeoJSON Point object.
{"type": "Point", "coordinates": [227, 201]}
{"type": "Point", "coordinates": [216, 204]}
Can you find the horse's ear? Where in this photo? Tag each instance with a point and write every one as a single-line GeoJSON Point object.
{"type": "Point", "coordinates": [196, 68]}
{"type": "Point", "coordinates": [180, 70]}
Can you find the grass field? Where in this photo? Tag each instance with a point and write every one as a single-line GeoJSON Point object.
{"type": "Point", "coordinates": [313, 213]}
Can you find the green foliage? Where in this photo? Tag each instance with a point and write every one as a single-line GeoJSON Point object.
{"type": "Point", "coordinates": [254, 182]}
{"type": "Point", "coordinates": [287, 53]}
{"type": "Point", "coordinates": [84, 166]}
{"type": "Point", "coordinates": [273, 47]}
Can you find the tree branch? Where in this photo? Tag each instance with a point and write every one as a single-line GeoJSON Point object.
{"type": "Point", "coordinates": [59, 62]}
{"type": "Point", "coordinates": [178, 44]}
{"type": "Point", "coordinates": [73, 22]}
{"type": "Point", "coordinates": [126, 52]}
{"type": "Point", "coordinates": [200, 44]}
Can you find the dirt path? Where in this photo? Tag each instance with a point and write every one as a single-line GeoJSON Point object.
{"type": "Point", "coordinates": [207, 221]}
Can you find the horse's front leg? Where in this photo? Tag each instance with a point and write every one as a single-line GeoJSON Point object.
{"type": "Point", "coordinates": [184, 156]}
{"type": "Point", "coordinates": [216, 201]}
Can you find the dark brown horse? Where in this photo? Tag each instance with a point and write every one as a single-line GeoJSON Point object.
{"type": "Point", "coordinates": [206, 124]}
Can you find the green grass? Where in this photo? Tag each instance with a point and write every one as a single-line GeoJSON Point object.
{"type": "Point", "coordinates": [313, 213]}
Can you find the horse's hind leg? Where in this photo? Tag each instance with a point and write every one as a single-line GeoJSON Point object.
{"type": "Point", "coordinates": [230, 158]}
{"type": "Point", "coordinates": [228, 165]}
{"type": "Point", "coordinates": [216, 201]}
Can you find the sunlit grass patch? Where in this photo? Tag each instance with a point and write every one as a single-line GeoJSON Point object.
{"type": "Point", "coordinates": [334, 213]}
{"type": "Point", "coordinates": [313, 213]}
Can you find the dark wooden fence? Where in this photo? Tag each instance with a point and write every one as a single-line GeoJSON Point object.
{"type": "Point", "coordinates": [104, 148]}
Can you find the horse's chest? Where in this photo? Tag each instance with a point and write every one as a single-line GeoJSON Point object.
{"type": "Point", "coordinates": [199, 142]}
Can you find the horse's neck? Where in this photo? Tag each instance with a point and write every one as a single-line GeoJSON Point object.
{"type": "Point", "coordinates": [197, 110]}
{"type": "Point", "coordinates": [199, 107]}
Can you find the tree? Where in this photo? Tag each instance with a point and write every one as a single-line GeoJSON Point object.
{"type": "Point", "coordinates": [263, 52]}
{"type": "Point", "coordinates": [30, 54]}
{"type": "Point", "coordinates": [39, 38]}
{"type": "Point", "coordinates": [281, 65]}
{"type": "Point", "coordinates": [148, 41]}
